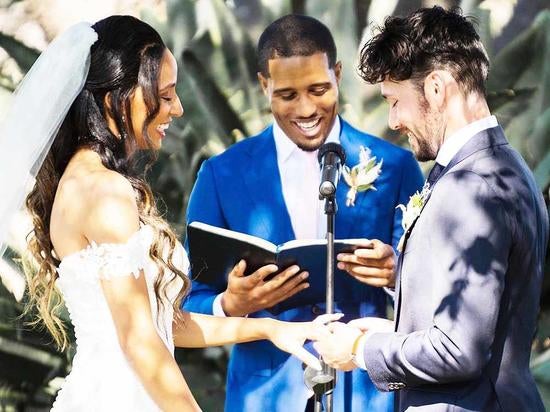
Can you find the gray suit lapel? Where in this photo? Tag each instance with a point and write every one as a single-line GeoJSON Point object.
{"type": "Point", "coordinates": [483, 140]}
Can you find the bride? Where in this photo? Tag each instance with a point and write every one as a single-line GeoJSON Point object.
{"type": "Point", "coordinates": [95, 98]}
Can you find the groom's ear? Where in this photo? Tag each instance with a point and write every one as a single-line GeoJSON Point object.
{"type": "Point", "coordinates": [435, 88]}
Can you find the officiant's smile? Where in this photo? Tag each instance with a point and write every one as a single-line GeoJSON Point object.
{"type": "Point", "coordinates": [303, 93]}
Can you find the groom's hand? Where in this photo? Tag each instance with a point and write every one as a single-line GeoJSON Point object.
{"type": "Point", "coordinates": [248, 294]}
{"type": "Point", "coordinates": [337, 348]}
{"type": "Point", "coordinates": [372, 263]}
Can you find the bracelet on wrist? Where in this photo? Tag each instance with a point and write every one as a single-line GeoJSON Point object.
{"type": "Point", "coordinates": [355, 348]}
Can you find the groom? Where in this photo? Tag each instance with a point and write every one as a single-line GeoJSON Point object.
{"type": "Point", "coordinates": [470, 273]}
{"type": "Point", "coordinates": [267, 186]}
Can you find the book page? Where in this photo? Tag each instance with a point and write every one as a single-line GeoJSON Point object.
{"type": "Point", "coordinates": [291, 244]}
{"type": "Point", "coordinates": [296, 243]}
{"type": "Point", "coordinates": [253, 240]}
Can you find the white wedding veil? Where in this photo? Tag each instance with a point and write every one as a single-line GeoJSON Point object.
{"type": "Point", "coordinates": [37, 110]}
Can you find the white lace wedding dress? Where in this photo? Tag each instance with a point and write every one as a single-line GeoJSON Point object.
{"type": "Point", "coordinates": [101, 378]}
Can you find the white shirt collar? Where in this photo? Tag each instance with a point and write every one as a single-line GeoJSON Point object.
{"type": "Point", "coordinates": [458, 139]}
{"type": "Point", "coordinates": [285, 147]}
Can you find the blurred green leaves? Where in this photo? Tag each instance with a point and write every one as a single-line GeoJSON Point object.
{"type": "Point", "coordinates": [519, 86]}
{"type": "Point", "coordinates": [214, 44]}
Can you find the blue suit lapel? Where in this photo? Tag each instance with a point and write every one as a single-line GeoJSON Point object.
{"type": "Point", "coordinates": [347, 217]}
{"type": "Point", "coordinates": [344, 222]}
{"type": "Point", "coordinates": [263, 184]}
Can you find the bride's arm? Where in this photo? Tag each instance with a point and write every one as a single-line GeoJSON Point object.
{"type": "Point", "coordinates": [195, 330]}
{"type": "Point", "coordinates": [114, 220]}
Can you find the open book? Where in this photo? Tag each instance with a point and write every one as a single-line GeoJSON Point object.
{"type": "Point", "coordinates": [214, 251]}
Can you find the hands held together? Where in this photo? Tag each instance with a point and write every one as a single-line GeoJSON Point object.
{"type": "Point", "coordinates": [341, 348]}
{"type": "Point", "coordinates": [338, 343]}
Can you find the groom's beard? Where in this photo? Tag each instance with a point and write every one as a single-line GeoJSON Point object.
{"type": "Point", "coordinates": [427, 144]}
{"type": "Point", "coordinates": [424, 151]}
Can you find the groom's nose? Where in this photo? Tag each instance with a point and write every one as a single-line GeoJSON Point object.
{"type": "Point", "coordinates": [393, 120]}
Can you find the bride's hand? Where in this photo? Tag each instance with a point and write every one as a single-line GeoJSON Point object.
{"type": "Point", "coordinates": [291, 336]}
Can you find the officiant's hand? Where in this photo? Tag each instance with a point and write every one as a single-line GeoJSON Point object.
{"type": "Point", "coordinates": [248, 294]}
{"type": "Point", "coordinates": [372, 263]}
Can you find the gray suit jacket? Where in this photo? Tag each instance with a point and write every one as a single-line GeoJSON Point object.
{"type": "Point", "coordinates": [468, 289]}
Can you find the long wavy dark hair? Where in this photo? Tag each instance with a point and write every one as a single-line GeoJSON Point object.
{"type": "Point", "coordinates": [126, 55]}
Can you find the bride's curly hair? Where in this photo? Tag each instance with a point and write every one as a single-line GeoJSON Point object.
{"type": "Point", "coordinates": [126, 55]}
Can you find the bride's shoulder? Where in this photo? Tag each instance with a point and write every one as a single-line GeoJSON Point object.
{"type": "Point", "coordinates": [92, 203]}
{"type": "Point", "coordinates": [110, 185]}
{"type": "Point", "coordinates": [99, 205]}
{"type": "Point", "coordinates": [112, 211]}
{"type": "Point", "coordinates": [94, 191]}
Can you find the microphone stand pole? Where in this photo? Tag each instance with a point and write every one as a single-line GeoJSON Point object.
{"type": "Point", "coordinates": [330, 210]}
{"type": "Point", "coordinates": [323, 382]}
{"type": "Point", "coordinates": [331, 156]}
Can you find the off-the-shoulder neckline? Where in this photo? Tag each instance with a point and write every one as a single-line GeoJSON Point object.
{"type": "Point", "coordinates": [93, 244]}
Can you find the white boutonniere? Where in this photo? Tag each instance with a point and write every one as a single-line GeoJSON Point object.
{"type": "Point", "coordinates": [361, 177]}
{"type": "Point", "coordinates": [412, 211]}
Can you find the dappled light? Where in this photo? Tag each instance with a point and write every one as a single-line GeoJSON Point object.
{"type": "Point", "coordinates": [214, 44]}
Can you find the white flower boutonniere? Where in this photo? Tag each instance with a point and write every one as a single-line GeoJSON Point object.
{"type": "Point", "coordinates": [412, 211]}
{"type": "Point", "coordinates": [361, 177]}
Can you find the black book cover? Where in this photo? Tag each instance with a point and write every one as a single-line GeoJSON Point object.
{"type": "Point", "coordinates": [214, 251]}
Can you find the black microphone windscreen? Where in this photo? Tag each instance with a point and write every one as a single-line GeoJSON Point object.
{"type": "Point", "coordinates": [332, 147]}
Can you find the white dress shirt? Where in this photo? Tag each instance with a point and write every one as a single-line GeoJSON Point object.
{"type": "Point", "coordinates": [458, 139]}
{"type": "Point", "coordinates": [300, 178]}
{"type": "Point", "coordinates": [447, 151]}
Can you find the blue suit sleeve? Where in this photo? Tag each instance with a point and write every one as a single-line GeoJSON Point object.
{"type": "Point", "coordinates": [412, 180]}
{"type": "Point", "coordinates": [204, 206]}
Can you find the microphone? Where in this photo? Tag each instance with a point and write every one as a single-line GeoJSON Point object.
{"type": "Point", "coordinates": [331, 157]}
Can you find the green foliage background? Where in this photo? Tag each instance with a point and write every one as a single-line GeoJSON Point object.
{"type": "Point", "coordinates": [214, 43]}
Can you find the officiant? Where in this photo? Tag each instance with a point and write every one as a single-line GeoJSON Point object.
{"type": "Point", "coordinates": [267, 186]}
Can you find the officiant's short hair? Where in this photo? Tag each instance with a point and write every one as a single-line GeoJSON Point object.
{"type": "Point", "coordinates": [294, 35]}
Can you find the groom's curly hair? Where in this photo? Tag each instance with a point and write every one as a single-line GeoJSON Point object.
{"type": "Point", "coordinates": [428, 39]}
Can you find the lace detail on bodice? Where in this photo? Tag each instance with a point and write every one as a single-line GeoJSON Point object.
{"type": "Point", "coordinates": [98, 356]}
{"type": "Point", "coordinates": [109, 260]}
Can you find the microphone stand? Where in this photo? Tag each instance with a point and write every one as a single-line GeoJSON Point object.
{"type": "Point", "coordinates": [331, 156]}
{"type": "Point", "coordinates": [323, 382]}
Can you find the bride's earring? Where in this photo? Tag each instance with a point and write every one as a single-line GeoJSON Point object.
{"type": "Point", "coordinates": [122, 134]}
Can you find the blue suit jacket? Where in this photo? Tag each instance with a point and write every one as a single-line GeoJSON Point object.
{"type": "Point", "coordinates": [240, 189]}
